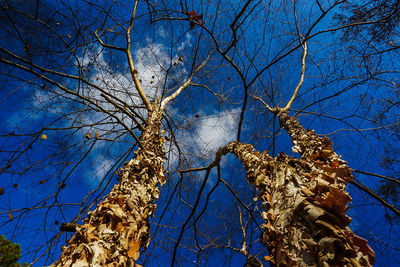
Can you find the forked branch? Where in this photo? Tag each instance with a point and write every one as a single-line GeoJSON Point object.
{"type": "Point", "coordinates": [183, 86]}
{"type": "Point", "coordinates": [277, 109]}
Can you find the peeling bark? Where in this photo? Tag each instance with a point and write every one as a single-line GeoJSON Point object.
{"type": "Point", "coordinates": [114, 233]}
{"type": "Point", "coordinates": [304, 202]}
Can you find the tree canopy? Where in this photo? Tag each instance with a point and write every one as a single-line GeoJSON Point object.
{"type": "Point", "coordinates": [9, 253]}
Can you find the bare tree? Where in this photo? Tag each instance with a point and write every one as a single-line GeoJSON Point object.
{"type": "Point", "coordinates": [123, 214]}
{"type": "Point", "coordinates": [143, 94]}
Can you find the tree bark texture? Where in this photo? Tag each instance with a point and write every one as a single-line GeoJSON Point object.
{"type": "Point", "coordinates": [304, 201]}
{"type": "Point", "coordinates": [114, 233]}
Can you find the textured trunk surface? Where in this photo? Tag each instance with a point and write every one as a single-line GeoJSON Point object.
{"type": "Point", "coordinates": [304, 202]}
{"type": "Point", "coordinates": [114, 233]}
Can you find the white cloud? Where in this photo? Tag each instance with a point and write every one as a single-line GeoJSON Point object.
{"type": "Point", "coordinates": [151, 61]}
{"type": "Point", "coordinates": [217, 130]}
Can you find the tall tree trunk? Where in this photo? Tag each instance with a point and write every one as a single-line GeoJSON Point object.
{"type": "Point", "coordinates": [304, 202]}
{"type": "Point", "coordinates": [114, 233]}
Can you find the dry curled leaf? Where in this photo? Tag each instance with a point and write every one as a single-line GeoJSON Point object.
{"type": "Point", "coordinates": [269, 258]}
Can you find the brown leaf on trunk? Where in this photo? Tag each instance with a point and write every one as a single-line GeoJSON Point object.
{"type": "Point", "coordinates": [84, 254]}
{"type": "Point", "coordinates": [91, 237]}
{"type": "Point", "coordinates": [325, 141]}
{"type": "Point", "coordinates": [328, 178]}
{"type": "Point", "coordinates": [115, 220]}
{"type": "Point", "coordinates": [266, 225]}
{"type": "Point", "coordinates": [120, 201]}
{"type": "Point", "coordinates": [335, 200]}
{"type": "Point", "coordinates": [71, 240]}
{"type": "Point", "coordinates": [119, 228]}
{"type": "Point", "coordinates": [335, 164]}
{"type": "Point", "coordinates": [134, 247]}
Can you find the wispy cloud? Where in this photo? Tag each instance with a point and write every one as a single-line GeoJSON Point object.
{"type": "Point", "coordinates": [101, 166]}
{"type": "Point", "coordinates": [210, 132]}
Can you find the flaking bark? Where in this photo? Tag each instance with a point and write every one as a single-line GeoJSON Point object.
{"type": "Point", "coordinates": [304, 202]}
{"type": "Point", "coordinates": [114, 233]}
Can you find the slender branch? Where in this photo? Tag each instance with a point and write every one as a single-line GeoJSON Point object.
{"type": "Point", "coordinates": [373, 194]}
{"type": "Point", "coordinates": [242, 203]}
{"type": "Point", "coordinates": [265, 104]}
{"type": "Point", "coordinates": [219, 96]}
{"type": "Point", "coordinates": [134, 72]}
{"type": "Point", "coordinates": [303, 68]}
{"type": "Point", "coordinates": [320, 6]}
{"type": "Point", "coordinates": [197, 201]}
{"type": "Point", "coordinates": [234, 27]}
{"type": "Point", "coordinates": [176, 93]}
{"type": "Point", "coordinates": [378, 175]}
{"type": "Point", "coordinates": [107, 45]}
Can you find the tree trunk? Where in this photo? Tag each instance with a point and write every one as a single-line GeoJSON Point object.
{"type": "Point", "coordinates": [114, 233]}
{"type": "Point", "coordinates": [304, 202]}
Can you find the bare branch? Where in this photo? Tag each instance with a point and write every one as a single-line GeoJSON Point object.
{"type": "Point", "coordinates": [265, 104]}
{"type": "Point", "coordinates": [65, 89]}
{"type": "Point", "coordinates": [303, 68]}
{"type": "Point", "coordinates": [134, 72]}
{"type": "Point", "coordinates": [373, 194]}
{"type": "Point", "coordinates": [107, 45]}
{"type": "Point", "coordinates": [183, 86]}
{"type": "Point", "coordinates": [377, 175]}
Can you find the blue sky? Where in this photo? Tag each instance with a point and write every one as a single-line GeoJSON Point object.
{"type": "Point", "coordinates": [45, 185]}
